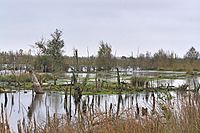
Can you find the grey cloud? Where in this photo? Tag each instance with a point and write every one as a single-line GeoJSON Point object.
{"type": "Point", "coordinates": [131, 23]}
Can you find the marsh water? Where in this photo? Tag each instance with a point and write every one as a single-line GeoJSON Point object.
{"type": "Point", "coordinates": [25, 105]}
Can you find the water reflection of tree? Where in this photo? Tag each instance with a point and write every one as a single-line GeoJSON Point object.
{"type": "Point", "coordinates": [119, 101]}
{"type": "Point", "coordinates": [147, 97]}
{"type": "Point", "coordinates": [12, 104]}
{"type": "Point", "coordinates": [77, 104]}
{"type": "Point", "coordinates": [66, 103]}
{"type": "Point", "coordinates": [55, 101]}
{"type": "Point", "coordinates": [77, 99]}
{"type": "Point", "coordinates": [193, 82]}
{"type": "Point", "coordinates": [153, 103]}
{"type": "Point", "coordinates": [92, 104]}
{"type": "Point", "coordinates": [34, 104]}
{"type": "Point", "coordinates": [6, 100]}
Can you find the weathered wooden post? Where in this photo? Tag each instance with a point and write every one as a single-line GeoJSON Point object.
{"type": "Point", "coordinates": [96, 82]}
{"type": "Point", "coordinates": [118, 77]}
{"type": "Point", "coordinates": [74, 78]}
{"type": "Point", "coordinates": [77, 62]}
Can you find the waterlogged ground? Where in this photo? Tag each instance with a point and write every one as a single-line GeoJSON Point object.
{"type": "Point", "coordinates": [156, 78]}
{"type": "Point", "coordinates": [24, 106]}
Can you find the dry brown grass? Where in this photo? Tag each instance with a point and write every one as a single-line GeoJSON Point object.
{"type": "Point", "coordinates": [185, 120]}
{"type": "Point", "coordinates": [4, 126]}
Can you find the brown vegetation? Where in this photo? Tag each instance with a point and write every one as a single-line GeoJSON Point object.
{"type": "Point", "coordinates": [168, 118]}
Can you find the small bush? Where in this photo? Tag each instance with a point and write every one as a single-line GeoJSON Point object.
{"type": "Point", "coordinates": [24, 78]}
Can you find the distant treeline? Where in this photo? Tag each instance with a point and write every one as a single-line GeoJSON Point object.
{"type": "Point", "coordinates": [49, 58]}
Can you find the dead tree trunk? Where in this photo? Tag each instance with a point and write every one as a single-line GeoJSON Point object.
{"type": "Point", "coordinates": [36, 85]}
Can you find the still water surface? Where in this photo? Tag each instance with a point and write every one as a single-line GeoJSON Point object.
{"type": "Point", "coordinates": [25, 106]}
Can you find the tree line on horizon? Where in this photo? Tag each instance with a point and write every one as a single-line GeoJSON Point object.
{"type": "Point", "coordinates": [49, 58]}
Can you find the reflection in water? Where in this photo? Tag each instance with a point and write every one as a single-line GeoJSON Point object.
{"type": "Point", "coordinates": [77, 98]}
{"type": "Point", "coordinates": [12, 104]}
{"type": "Point", "coordinates": [136, 104]}
{"type": "Point", "coordinates": [6, 100]}
{"type": "Point", "coordinates": [118, 103]}
{"type": "Point", "coordinates": [92, 103]}
{"type": "Point", "coordinates": [147, 97]}
{"type": "Point", "coordinates": [66, 103]}
{"type": "Point", "coordinates": [50, 103]}
{"type": "Point", "coordinates": [37, 99]}
{"type": "Point", "coordinates": [193, 83]}
{"type": "Point", "coordinates": [154, 103]}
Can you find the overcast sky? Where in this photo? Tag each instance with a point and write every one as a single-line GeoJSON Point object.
{"type": "Point", "coordinates": [127, 25]}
